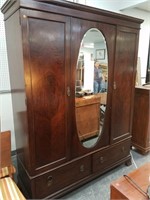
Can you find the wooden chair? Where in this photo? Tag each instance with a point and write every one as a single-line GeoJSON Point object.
{"type": "Point", "coordinates": [8, 188]}
{"type": "Point", "coordinates": [6, 167]}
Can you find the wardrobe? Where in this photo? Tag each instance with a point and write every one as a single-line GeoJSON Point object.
{"type": "Point", "coordinates": [43, 42]}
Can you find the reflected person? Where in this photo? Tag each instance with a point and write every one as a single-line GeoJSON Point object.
{"type": "Point", "coordinates": [98, 78]}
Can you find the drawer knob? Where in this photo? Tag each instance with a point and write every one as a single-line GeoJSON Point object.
{"type": "Point", "coordinates": [82, 168]}
{"type": "Point", "coordinates": [123, 149]}
{"type": "Point", "coordinates": [101, 159]}
{"type": "Point", "coordinates": [49, 181]}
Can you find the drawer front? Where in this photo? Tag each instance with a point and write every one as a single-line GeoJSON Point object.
{"type": "Point", "coordinates": [105, 158]}
{"type": "Point", "coordinates": [59, 178]}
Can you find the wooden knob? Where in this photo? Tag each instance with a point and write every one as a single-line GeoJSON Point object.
{"type": "Point", "coordinates": [82, 168]}
{"type": "Point", "coordinates": [101, 159]}
{"type": "Point", "coordinates": [49, 181]}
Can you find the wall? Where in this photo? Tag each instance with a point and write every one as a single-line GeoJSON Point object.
{"type": "Point", "coordinates": [6, 120]}
{"type": "Point", "coordinates": [144, 37]}
{"type": "Point", "coordinates": [110, 4]}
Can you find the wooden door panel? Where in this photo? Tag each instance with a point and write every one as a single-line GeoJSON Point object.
{"type": "Point", "coordinates": [80, 27]}
{"type": "Point", "coordinates": [123, 85]}
{"type": "Point", "coordinates": [48, 48]}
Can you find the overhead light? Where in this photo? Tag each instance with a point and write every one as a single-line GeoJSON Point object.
{"type": "Point", "coordinates": [88, 45]}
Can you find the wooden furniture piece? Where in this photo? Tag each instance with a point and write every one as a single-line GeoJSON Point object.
{"type": "Point", "coordinates": [6, 166]}
{"type": "Point", "coordinates": [8, 188]}
{"type": "Point", "coordinates": [123, 188]}
{"type": "Point", "coordinates": [103, 97]}
{"type": "Point", "coordinates": [80, 73]}
{"type": "Point", "coordinates": [141, 119]}
{"type": "Point", "coordinates": [88, 116]}
{"type": "Point", "coordinates": [43, 42]}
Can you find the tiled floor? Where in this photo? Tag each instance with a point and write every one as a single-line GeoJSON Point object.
{"type": "Point", "coordinates": [99, 189]}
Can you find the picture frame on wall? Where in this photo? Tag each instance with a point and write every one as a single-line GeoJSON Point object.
{"type": "Point", "coordinates": [100, 54]}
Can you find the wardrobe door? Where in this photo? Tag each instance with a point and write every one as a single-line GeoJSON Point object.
{"type": "Point", "coordinates": [124, 82]}
{"type": "Point", "coordinates": [80, 29]}
{"type": "Point", "coordinates": [46, 43]}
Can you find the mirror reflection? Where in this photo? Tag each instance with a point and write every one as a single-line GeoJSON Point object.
{"type": "Point", "coordinates": [91, 87]}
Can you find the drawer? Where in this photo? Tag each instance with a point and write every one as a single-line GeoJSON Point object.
{"type": "Point", "coordinates": [103, 159]}
{"type": "Point", "coordinates": [61, 177]}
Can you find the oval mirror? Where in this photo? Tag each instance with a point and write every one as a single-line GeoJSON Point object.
{"type": "Point", "coordinates": [91, 87]}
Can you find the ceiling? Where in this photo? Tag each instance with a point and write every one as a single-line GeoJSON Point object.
{"type": "Point", "coordinates": [126, 4]}
{"type": "Point", "coordinates": [144, 6]}
{"type": "Point", "coordinates": [116, 5]}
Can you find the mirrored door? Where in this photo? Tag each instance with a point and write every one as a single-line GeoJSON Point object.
{"type": "Point", "coordinates": [91, 87]}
